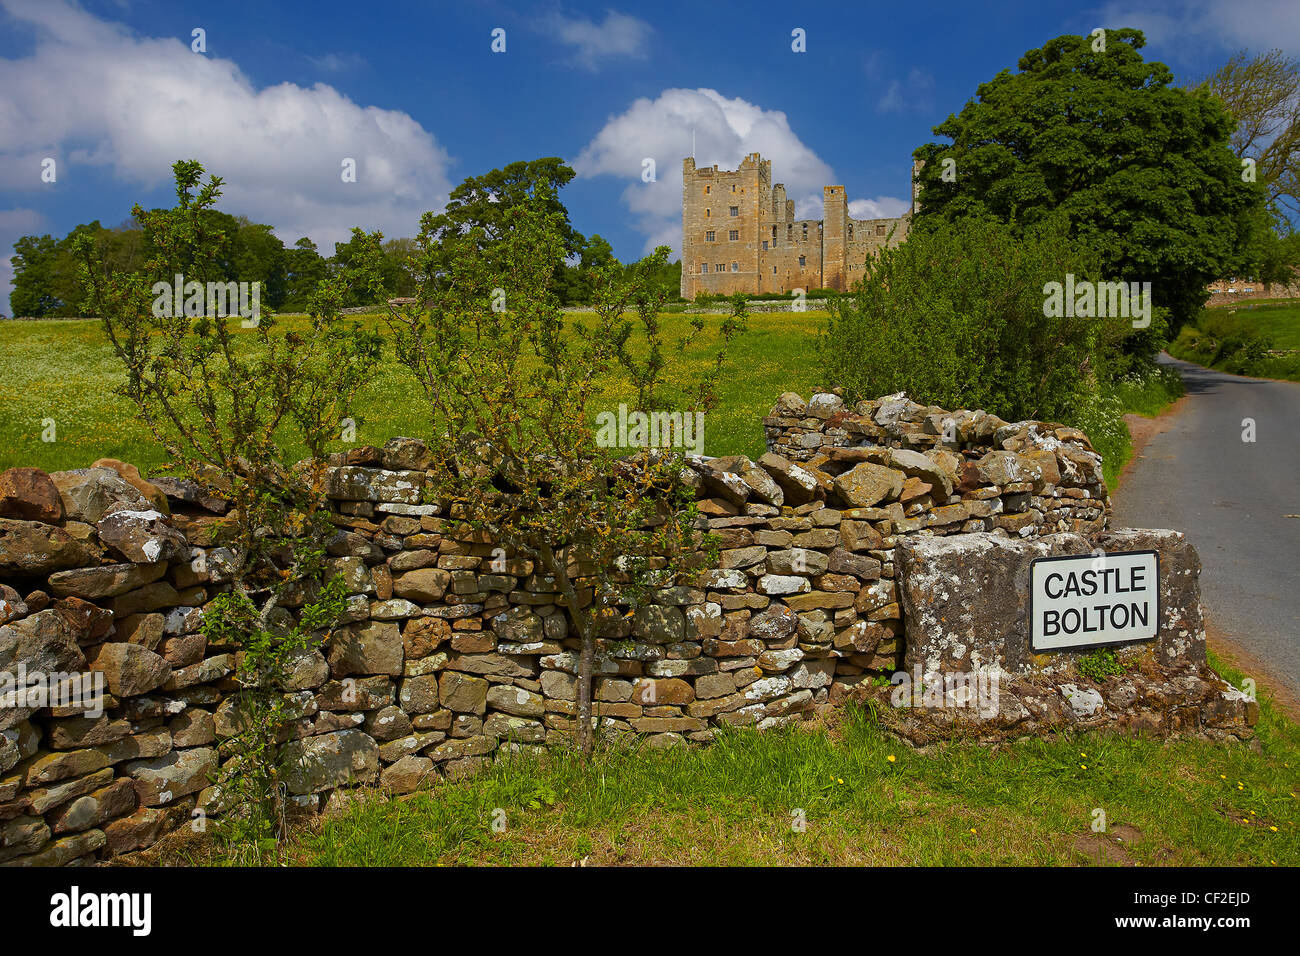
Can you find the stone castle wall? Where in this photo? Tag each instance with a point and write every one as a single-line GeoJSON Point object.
{"type": "Point", "coordinates": [772, 252]}
{"type": "Point", "coordinates": [454, 653]}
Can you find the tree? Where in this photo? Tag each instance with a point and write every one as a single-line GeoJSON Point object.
{"type": "Point", "coordinates": [305, 268]}
{"type": "Point", "coordinates": [1263, 95]}
{"type": "Point", "coordinates": [480, 206]}
{"type": "Point", "coordinates": [34, 265]}
{"type": "Point", "coordinates": [226, 402]}
{"type": "Point", "coordinates": [512, 393]}
{"type": "Point", "coordinates": [1141, 170]}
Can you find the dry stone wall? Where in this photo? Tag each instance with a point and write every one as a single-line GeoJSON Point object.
{"type": "Point", "coordinates": [454, 652]}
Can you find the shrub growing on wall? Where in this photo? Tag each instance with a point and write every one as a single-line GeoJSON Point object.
{"type": "Point", "coordinates": [511, 388]}
{"type": "Point", "coordinates": [955, 317]}
{"type": "Point", "coordinates": [227, 396]}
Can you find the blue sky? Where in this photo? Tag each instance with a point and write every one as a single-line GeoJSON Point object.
{"type": "Point", "coordinates": [113, 92]}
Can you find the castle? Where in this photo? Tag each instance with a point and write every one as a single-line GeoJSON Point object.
{"type": "Point", "coordinates": [739, 234]}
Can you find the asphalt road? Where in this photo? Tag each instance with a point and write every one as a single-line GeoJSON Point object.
{"type": "Point", "coordinates": [1233, 499]}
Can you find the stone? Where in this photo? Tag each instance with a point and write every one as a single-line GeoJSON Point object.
{"type": "Point", "coordinates": [866, 484]}
{"type": "Point", "coordinates": [351, 483]}
{"type": "Point", "coordinates": [72, 733]}
{"type": "Point", "coordinates": [516, 701]}
{"type": "Point", "coordinates": [796, 561]}
{"type": "Point", "coordinates": [12, 605]}
{"type": "Point", "coordinates": [141, 536]}
{"type": "Point", "coordinates": [162, 780]}
{"type": "Point", "coordinates": [87, 494]}
{"type": "Point", "coordinates": [462, 693]}
{"type": "Point", "coordinates": [423, 585]}
{"type": "Point", "coordinates": [92, 810]}
{"type": "Point", "coordinates": [773, 626]}
{"type": "Point", "coordinates": [29, 495]}
{"type": "Point", "coordinates": [406, 454]}
{"type": "Point", "coordinates": [35, 548]}
{"type": "Point", "coordinates": [387, 724]}
{"type": "Point", "coordinates": [22, 835]}
{"type": "Point", "coordinates": [130, 669]}
{"type": "Point", "coordinates": [189, 492]}
{"type": "Point", "coordinates": [660, 624]}
{"type": "Point", "coordinates": [330, 760]}
{"type": "Point", "coordinates": [193, 728]}
{"type": "Point", "coordinates": [142, 828]}
{"type": "Point", "coordinates": [368, 647]}
{"type": "Point", "coordinates": [408, 774]}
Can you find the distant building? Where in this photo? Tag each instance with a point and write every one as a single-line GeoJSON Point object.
{"type": "Point", "coordinates": [739, 234]}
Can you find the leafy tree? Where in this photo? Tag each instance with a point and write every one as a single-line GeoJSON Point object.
{"type": "Point", "coordinates": [955, 317]}
{"type": "Point", "coordinates": [1141, 170]}
{"type": "Point", "coordinates": [33, 283]}
{"type": "Point", "coordinates": [512, 394]}
{"type": "Point", "coordinates": [305, 268]}
{"type": "Point", "coordinates": [225, 401]}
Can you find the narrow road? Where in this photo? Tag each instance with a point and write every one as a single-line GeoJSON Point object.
{"type": "Point", "coordinates": [1238, 501]}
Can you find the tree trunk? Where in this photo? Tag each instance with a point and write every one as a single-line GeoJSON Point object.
{"type": "Point", "coordinates": [586, 663]}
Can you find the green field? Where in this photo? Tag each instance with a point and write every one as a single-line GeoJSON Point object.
{"type": "Point", "coordinates": [1234, 339]}
{"type": "Point", "coordinates": [60, 376]}
{"type": "Point", "coordinates": [1280, 321]}
{"type": "Point", "coordinates": [64, 370]}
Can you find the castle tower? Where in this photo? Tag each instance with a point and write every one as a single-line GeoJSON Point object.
{"type": "Point", "coordinates": [835, 219]}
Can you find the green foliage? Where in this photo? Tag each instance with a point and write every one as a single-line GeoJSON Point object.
{"type": "Point", "coordinates": [1227, 341]}
{"type": "Point", "coordinates": [1141, 170]}
{"type": "Point", "coordinates": [954, 317]}
{"type": "Point", "coordinates": [511, 391]}
{"type": "Point", "coordinates": [223, 413]}
{"type": "Point", "coordinates": [1099, 664]}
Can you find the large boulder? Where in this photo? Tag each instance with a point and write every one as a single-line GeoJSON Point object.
{"type": "Point", "coordinates": [37, 548]}
{"type": "Point", "coordinates": [131, 475]}
{"type": "Point", "coordinates": [88, 493]}
{"type": "Point", "coordinates": [330, 760]}
{"type": "Point", "coordinates": [30, 495]}
{"type": "Point", "coordinates": [867, 484]}
{"type": "Point", "coordinates": [130, 669]}
{"type": "Point", "coordinates": [143, 536]}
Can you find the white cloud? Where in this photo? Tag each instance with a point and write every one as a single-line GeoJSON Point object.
{"type": "Point", "coordinates": [92, 94]}
{"type": "Point", "coordinates": [1182, 29]}
{"type": "Point", "coordinates": [882, 207]}
{"type": "Point", "coordinates": [619, 36]}
{"type": "Point", "coordinates": [724, 131]}
{"type": "Point", "coordinates": [14, 224]}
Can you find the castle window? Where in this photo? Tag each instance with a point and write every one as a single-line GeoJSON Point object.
{"type": "Point", "coordinates": [773, 270]}
{"type": "Point", "coordinates": [720, 267]}
{"type": "Point", "coordinates": [704, 268]}
{"type": "Point", "coordinates": [850, 230]}
{"type": "Point", "coordinates": [880, 229]}
{"type": "Point", "coordinates": [707, 213]}
{"type": "Point", "coordinates": [765, 245]}
{"type": "Point", "coordinates": [774, 233]}
{"type": "Point", "coordinates": [708, 236]}
{"type": "Point", "coordinates": [803, 261]}
{"type": "Point", "coordinates": [735, 267]}
{"type": "Point", "coordinates": [805, 230]}
{"type": "Point", "coordinates": [735, 210]}
{"type": "Point", "coordinates": [733, 187]}
{"type": "Point", "coordinates": [734, 235]}
{"type": "Point", "coordinates": [706, 190]}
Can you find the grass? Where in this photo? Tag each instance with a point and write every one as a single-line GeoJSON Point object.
{"type": "Point", "coordinates": [62, 373]}
{"type": "Point", "coordinates": [736, 802]}
{"type": "Point", "coordinates": [1234, 339]}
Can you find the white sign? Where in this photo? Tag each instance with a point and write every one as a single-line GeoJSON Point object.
{"type": "Point", "coordinates": [1090, 599]}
